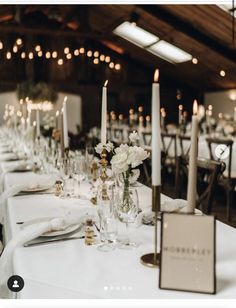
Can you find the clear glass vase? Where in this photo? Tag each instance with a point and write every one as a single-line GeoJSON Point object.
{"type": "Point", "coordinates": [127, 210]}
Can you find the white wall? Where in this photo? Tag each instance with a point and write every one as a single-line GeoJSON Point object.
{"type": "Point", "coordinates": [222, 101]}
{"type": "Point", "coordinates": [74, 107]}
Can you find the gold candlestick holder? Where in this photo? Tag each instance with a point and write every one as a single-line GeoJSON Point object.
{"type": "Point", "coordinates": [103, 176]}
{"type": "Point", "coordinates": [153, 259]}
{"type": "Point", "coordinates": [66, 152]}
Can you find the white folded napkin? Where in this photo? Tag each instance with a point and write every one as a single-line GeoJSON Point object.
{"type": "Point", "coordinates": [31, 232]}
{"type": "Point", "coordinates": [14, 166]}
{"type": "Point", "coordinates": [15, 189]}
{"type": "Point", "coordinates": [175, 205]}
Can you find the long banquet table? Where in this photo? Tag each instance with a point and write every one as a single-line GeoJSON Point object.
{"type": "Point", "coordinates": [72, 270]}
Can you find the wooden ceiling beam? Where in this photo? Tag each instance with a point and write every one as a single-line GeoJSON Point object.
{"type": "Point", "coordinates": [189, 29]}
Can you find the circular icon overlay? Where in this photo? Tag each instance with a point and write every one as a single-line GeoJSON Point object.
{"type": "Point", "coordinates": [222, 151]}
{"type": "Point", "coordinates": [15, 283]}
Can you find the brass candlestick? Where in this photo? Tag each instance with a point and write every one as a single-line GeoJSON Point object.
{"type": "Point", "coordinates": [103, 176]}
{"type": "Point", "coordinates": [66, 152]}
{"type": "Point", "coordinates": [153, 259]}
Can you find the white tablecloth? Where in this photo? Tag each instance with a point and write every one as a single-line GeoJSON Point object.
{"type": "Point", "coordinates": [73, 270]}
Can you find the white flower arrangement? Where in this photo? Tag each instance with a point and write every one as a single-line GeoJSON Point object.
{"type": "Point", "coordinates": [100, 147]}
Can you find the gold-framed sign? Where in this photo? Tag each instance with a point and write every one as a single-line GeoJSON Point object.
{"type": "Point", "coordinates": [188, 253]}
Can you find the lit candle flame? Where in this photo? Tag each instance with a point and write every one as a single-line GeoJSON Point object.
{"type": "Point", "coordinates": [106, 83]}
{"type": "Point", "coordinates": [195, 107]}
{"type": "Point", "coordinates": [65, 99]}
{"type": "Point", "coordinates": [180, 107]}
{"type": "Point", "coordinates": [57, 113]}
{"type": "Point", "coordinates": [156, 75]}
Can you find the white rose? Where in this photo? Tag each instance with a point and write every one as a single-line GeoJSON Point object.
{"type": "Point", "coordinates": [109, 147]}
{"type": "Point", "coordinates": [119, 162]}
{"type": "Point", "coordinates": [136, 156]}
{"type": "Point", "coordinates": [133, 137]}
{"type": "Point", "coordinates": [99, 148]}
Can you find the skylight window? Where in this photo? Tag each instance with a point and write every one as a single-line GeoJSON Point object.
{"type": "Point", "coordinates": [135, 34]}
{"type": "Point", "coordinates": [169, 52]}
{"type": "Point", "coordinates": [150, 42]}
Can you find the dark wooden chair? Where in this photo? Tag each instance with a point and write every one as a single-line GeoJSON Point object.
{"type": "Point", "coordinates": [168, 155]}
{"type": "Point", "coordinates": [208, 174]}
{"type": "Point", "coordinates": [228, 178]}
{"type": "Point", "coordinates": [183, 140]}
{"type": "Point", "coordinates": [147, 138]}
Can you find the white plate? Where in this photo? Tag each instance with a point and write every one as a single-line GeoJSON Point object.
{"type": "Point", "coordinates": [69, 229]}
{"type": "Point", "coordinates": [36, 189]}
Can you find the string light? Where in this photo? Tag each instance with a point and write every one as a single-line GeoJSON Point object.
{"type": "Point", "coordinates": [89, 54]}
{"type": "Point", "coordinates": [54, 54]}
{"type": "Point", "coordinates": [31, 55]}
{"type": "Point", "coordinates": [23, 55]}
{"type": "Point", "coordinates": [82, 50]}
{"type": "Point", "coordinates": [69, 56]}
{"type": "Point", "coordinates": [96, 54]}
{"type": "Point", "coordinates": [37, 48]}
{"type": "Point", "coordinates": [66, 50]}
{"type": "Point", "coordinates": [15, 49]}
{"type": "Point", "coordinates": [1, 45]}
{"type": "Point", "coordinates": [102, 58]}
{"type": "Point", "coordinates": [112, 65]}
{"type": "Point", "coordinates": [60, 62]}
{"type": "Point", "coordinates": [194, 60]}
{"type": "Point", "coordinates": [76, 52]}
{"type": "Point", "coordinates": [8, 55]}
{"type": "Point", "coordinates": [40, 53]}
{"type": "Point", "coordinates": [95, 61]}
{"type": "Point", "coordinates": [222, 73]}
{"type": "Point", "coordinates": [117, 67]}
{"type": "Point", "coordinates": [107, 59]}
{"type": "Point", "coordinates": [19, 41]}
{"type": "Point", "coordinates": [48, 55]}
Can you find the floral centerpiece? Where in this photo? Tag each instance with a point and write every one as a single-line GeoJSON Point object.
{"type": "Point", "coordinates": [124, 162]}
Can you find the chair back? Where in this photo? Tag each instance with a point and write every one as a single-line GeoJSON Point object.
{"type": "Point", "coordinates": [185, 143]}
{"type": "Point", "coordinates": [208, 173]}
{"type": "Point", "coordinates": [213, 143]}
{"type": "Point", "coordinates": [118, 134]}
{"type": "Point", "coordinates": [147, 138]}
{"type": "Point", "coordinates": [169, 145]}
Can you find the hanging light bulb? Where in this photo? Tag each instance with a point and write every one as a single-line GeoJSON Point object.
{"type": "Point", "coordinates": [8, 55]}
{"type": "Point", "coordinates": [112, 65]}
{"type": "Point", "coordinates": [82, 50]}
{"type": "Point", "coordinates": [54, 54]}
{"type": "Point", "coordinates": [15, 49]}
{"type": "Point", "coordinates": [89, 53]}
{"type": "Point", "coordinates": [48, 55]}
{"type": "Point", "coordinates": [19, 41]}
{"type": "Point", "coordinates": [76, 52]}
{"type": "Point", "coordinates": [40, 53]}
{"type": "Point", "coordinates": [37, 48]}
{"type": "Point", "coordinates": [69, 56]}
{"type": "Point", "coordinates": [31, 55]}
{"type": "Point", "coordinates": [96, 61]}
{"type": "Point", "coordinates": [60, 62]}
{"type": "Point", "coordinates": [96, 54]}
{"type": "Point", "coordinates": [102, 58]}
{"type": "Point", "coordinates": [107, 59]}
{"type": "Point", "coordinates": [117, 67]}
{"type": "Point", "coordinates": [66, 50]}
{"type": "Point", "coordinates": [23, 55]}
{"type": "Point", "coordinates": [1, 45]}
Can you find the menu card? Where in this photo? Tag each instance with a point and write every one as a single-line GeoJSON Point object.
{"type": "Point", "coordinates": [188, 253]}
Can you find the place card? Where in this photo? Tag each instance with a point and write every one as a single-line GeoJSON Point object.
{"type": "Point", "coordinates": [187, 253]}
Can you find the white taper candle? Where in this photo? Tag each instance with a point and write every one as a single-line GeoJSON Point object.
{"type": "Point", "coordinates": [192, 174]}
{"type": "Point", "coordinates": [65, 124]}
{"type": "Point", "coordinates": [156, 132]}
{"type": "Point", "coordinates": [104, 114]}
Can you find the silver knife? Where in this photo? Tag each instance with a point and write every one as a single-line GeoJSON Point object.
{"type": "Point", "coordinates": [30, 244]}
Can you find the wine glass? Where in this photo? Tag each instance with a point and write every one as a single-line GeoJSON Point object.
{"type": "Point", "coordinates": [127, 208]}
{"type": "Point", "coordinates": [108, 221]}
{"type": "Point", "coordinates": [78, 174]}
{"type": "Point", "coordinates": [66, 174]}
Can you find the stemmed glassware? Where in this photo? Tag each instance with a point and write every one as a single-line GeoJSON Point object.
{"type": "Point", "coordinates": [127, 208]}
{"type": "Point", "coordinates": [78, 174]}
{"type": "Point", "coordinates": [107, 217]}
{"type": "Point", "coordinates": [66, 174]}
